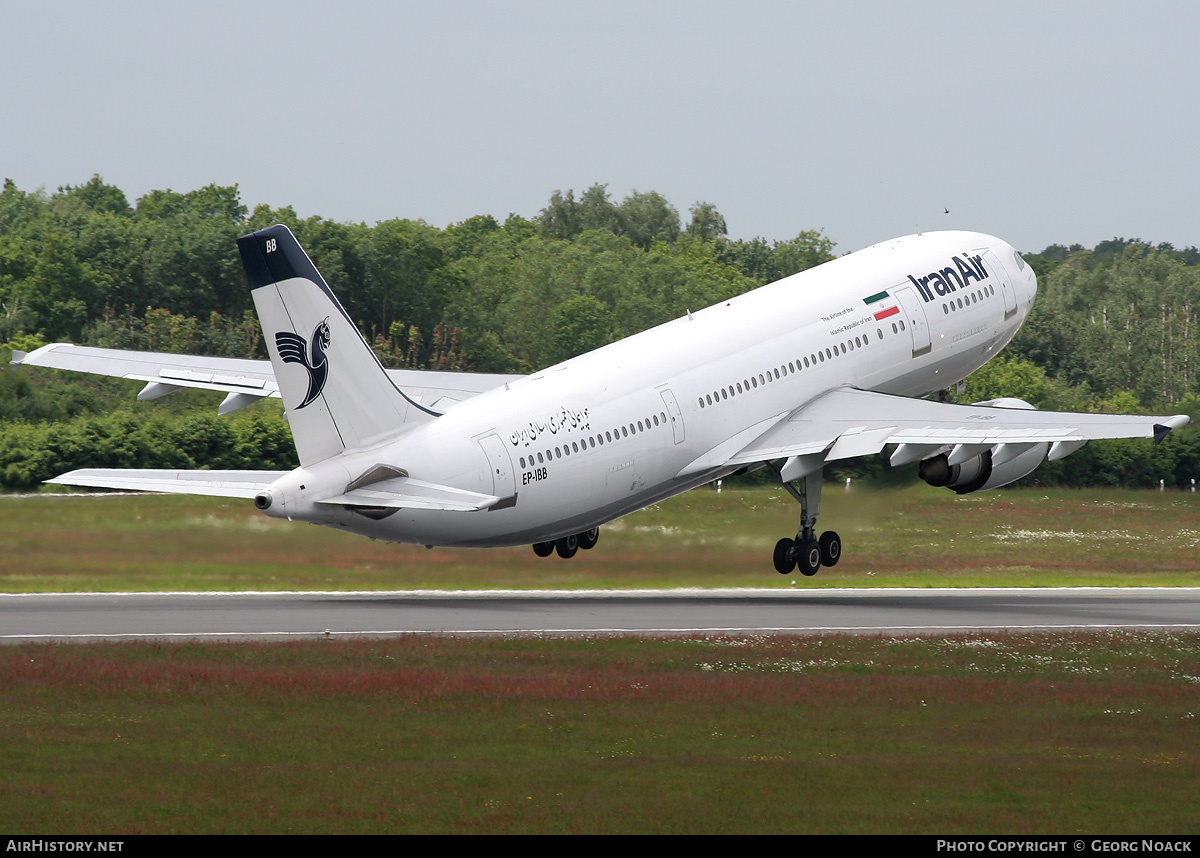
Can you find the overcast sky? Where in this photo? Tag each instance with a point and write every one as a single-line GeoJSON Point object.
{"type": "Point", "coordinates": [1038, 122]}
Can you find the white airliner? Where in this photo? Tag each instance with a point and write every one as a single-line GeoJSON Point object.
{"type": "Point", "coordinates": [818, 367]}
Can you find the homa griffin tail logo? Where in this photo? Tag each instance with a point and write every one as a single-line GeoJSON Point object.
{"type": "Point", "coordinates": [951, 278]}
{"type": "Point", "coordinates": [293, 349]}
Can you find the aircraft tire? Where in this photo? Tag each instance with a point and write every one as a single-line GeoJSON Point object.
{"type": "Point", "coordinates": [543, 549]}
{"type": "Point", "coordinates": [567, 546]}
{"type": "Point", "coordinates": [831, 548]}
{"type": "Point", "coordinates": [808, 556]}
{"type": "Point", "coordinates": [589, 538]}
{"type": "Point", "coordinates": [785, 556]}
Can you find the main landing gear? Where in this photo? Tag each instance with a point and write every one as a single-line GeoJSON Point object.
{"type": "Point", "coordinates": [806, 552]}
{"type": "Point", "coordinates": [568, 545]}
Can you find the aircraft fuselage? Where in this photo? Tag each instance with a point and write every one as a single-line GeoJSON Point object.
{"type": "Point", "coordinates": [606, 433]}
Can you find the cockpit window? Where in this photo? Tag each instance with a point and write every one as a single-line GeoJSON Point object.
{"type": "Point", "coordinates": [1020, 262]}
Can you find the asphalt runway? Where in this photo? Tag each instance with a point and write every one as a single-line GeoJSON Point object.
{"type": "Point", "coordinates": [214, 616]}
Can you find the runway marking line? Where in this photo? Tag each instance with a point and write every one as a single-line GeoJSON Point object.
{"type": "Point", "coordinates": [683, 591]}
{"type": "Point", "coordinates": [614, 631]}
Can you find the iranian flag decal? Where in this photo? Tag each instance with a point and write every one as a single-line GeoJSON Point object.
{"type": "Point", "coordinates": [885, 305]}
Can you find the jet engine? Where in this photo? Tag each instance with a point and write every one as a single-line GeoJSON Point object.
{"type": "Point", "coordinates": [968, 468]}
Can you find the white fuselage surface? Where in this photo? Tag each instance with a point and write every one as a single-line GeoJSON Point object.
{"type": "Point", "coordinates": [609, 432]}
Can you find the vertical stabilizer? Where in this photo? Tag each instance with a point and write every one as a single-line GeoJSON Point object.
{"type": "Point", "coordinates": [336, 393]}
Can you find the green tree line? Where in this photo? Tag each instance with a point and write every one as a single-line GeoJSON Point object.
{"type": "Point", "coordinates": [84, 265]}
{"type": "Point", "coordinates": [1114, 327]}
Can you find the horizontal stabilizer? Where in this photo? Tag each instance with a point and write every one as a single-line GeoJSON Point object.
{"type": "Point", "coordinates": [225, 484]}
{"type": "Point", "coordinates": [407, 493]}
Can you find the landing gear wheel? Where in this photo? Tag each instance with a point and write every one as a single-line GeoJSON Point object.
{"type": "Point", "coordinates": [785, 556]}
{"type": "Point", "coordinates": [809, 553]}
{"type": "Point", "coordinates": [831, 548]}
{"type": "Point", "coordinates": [808, 556]}
{"type": "Point", "coordinates": [588, 539]}
{"type": "Point", "coordinates": [543, 549]}
{"type": "Point", "coordinates": [567, 546]}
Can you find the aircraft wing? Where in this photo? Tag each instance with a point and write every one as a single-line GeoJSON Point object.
{"type": "Point", "coordinates": [846, 422]}
{"type": "Point", "coordinates": [442, 390]}
{"type": "Point", "coordinates": [228, 484]}
{"type": "Point", "coordinates": [243, 381]}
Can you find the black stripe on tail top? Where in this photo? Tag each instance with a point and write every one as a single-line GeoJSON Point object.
{"type": "Point", "coordinates": [272, 255]}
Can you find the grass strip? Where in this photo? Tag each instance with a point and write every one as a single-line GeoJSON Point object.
{"type": "Point", "coordinates": [1006, 733]}
{"type": "Point", "coordinates": [914, 537]}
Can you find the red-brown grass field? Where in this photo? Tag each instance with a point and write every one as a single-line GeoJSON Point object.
{"type": "Point", "coordinates": [1064, 733]}
{"type": "Point", "coordinates": [998, 733]}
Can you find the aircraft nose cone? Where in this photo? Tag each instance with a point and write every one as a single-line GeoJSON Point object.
{"type": "Point", "coordinates": [1023, 278]}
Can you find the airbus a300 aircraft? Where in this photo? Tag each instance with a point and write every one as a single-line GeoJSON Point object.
{"type": "Point", "coordinates": [823, 365]}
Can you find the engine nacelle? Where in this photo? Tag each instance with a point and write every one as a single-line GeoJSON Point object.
{"type": "Point", "coordinates": [998, 466]}
{"type": "Point", "coordinates": [979, 473]}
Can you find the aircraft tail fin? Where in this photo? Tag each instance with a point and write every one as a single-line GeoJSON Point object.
{"type": "Point", "coordinates": [336, 393]}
